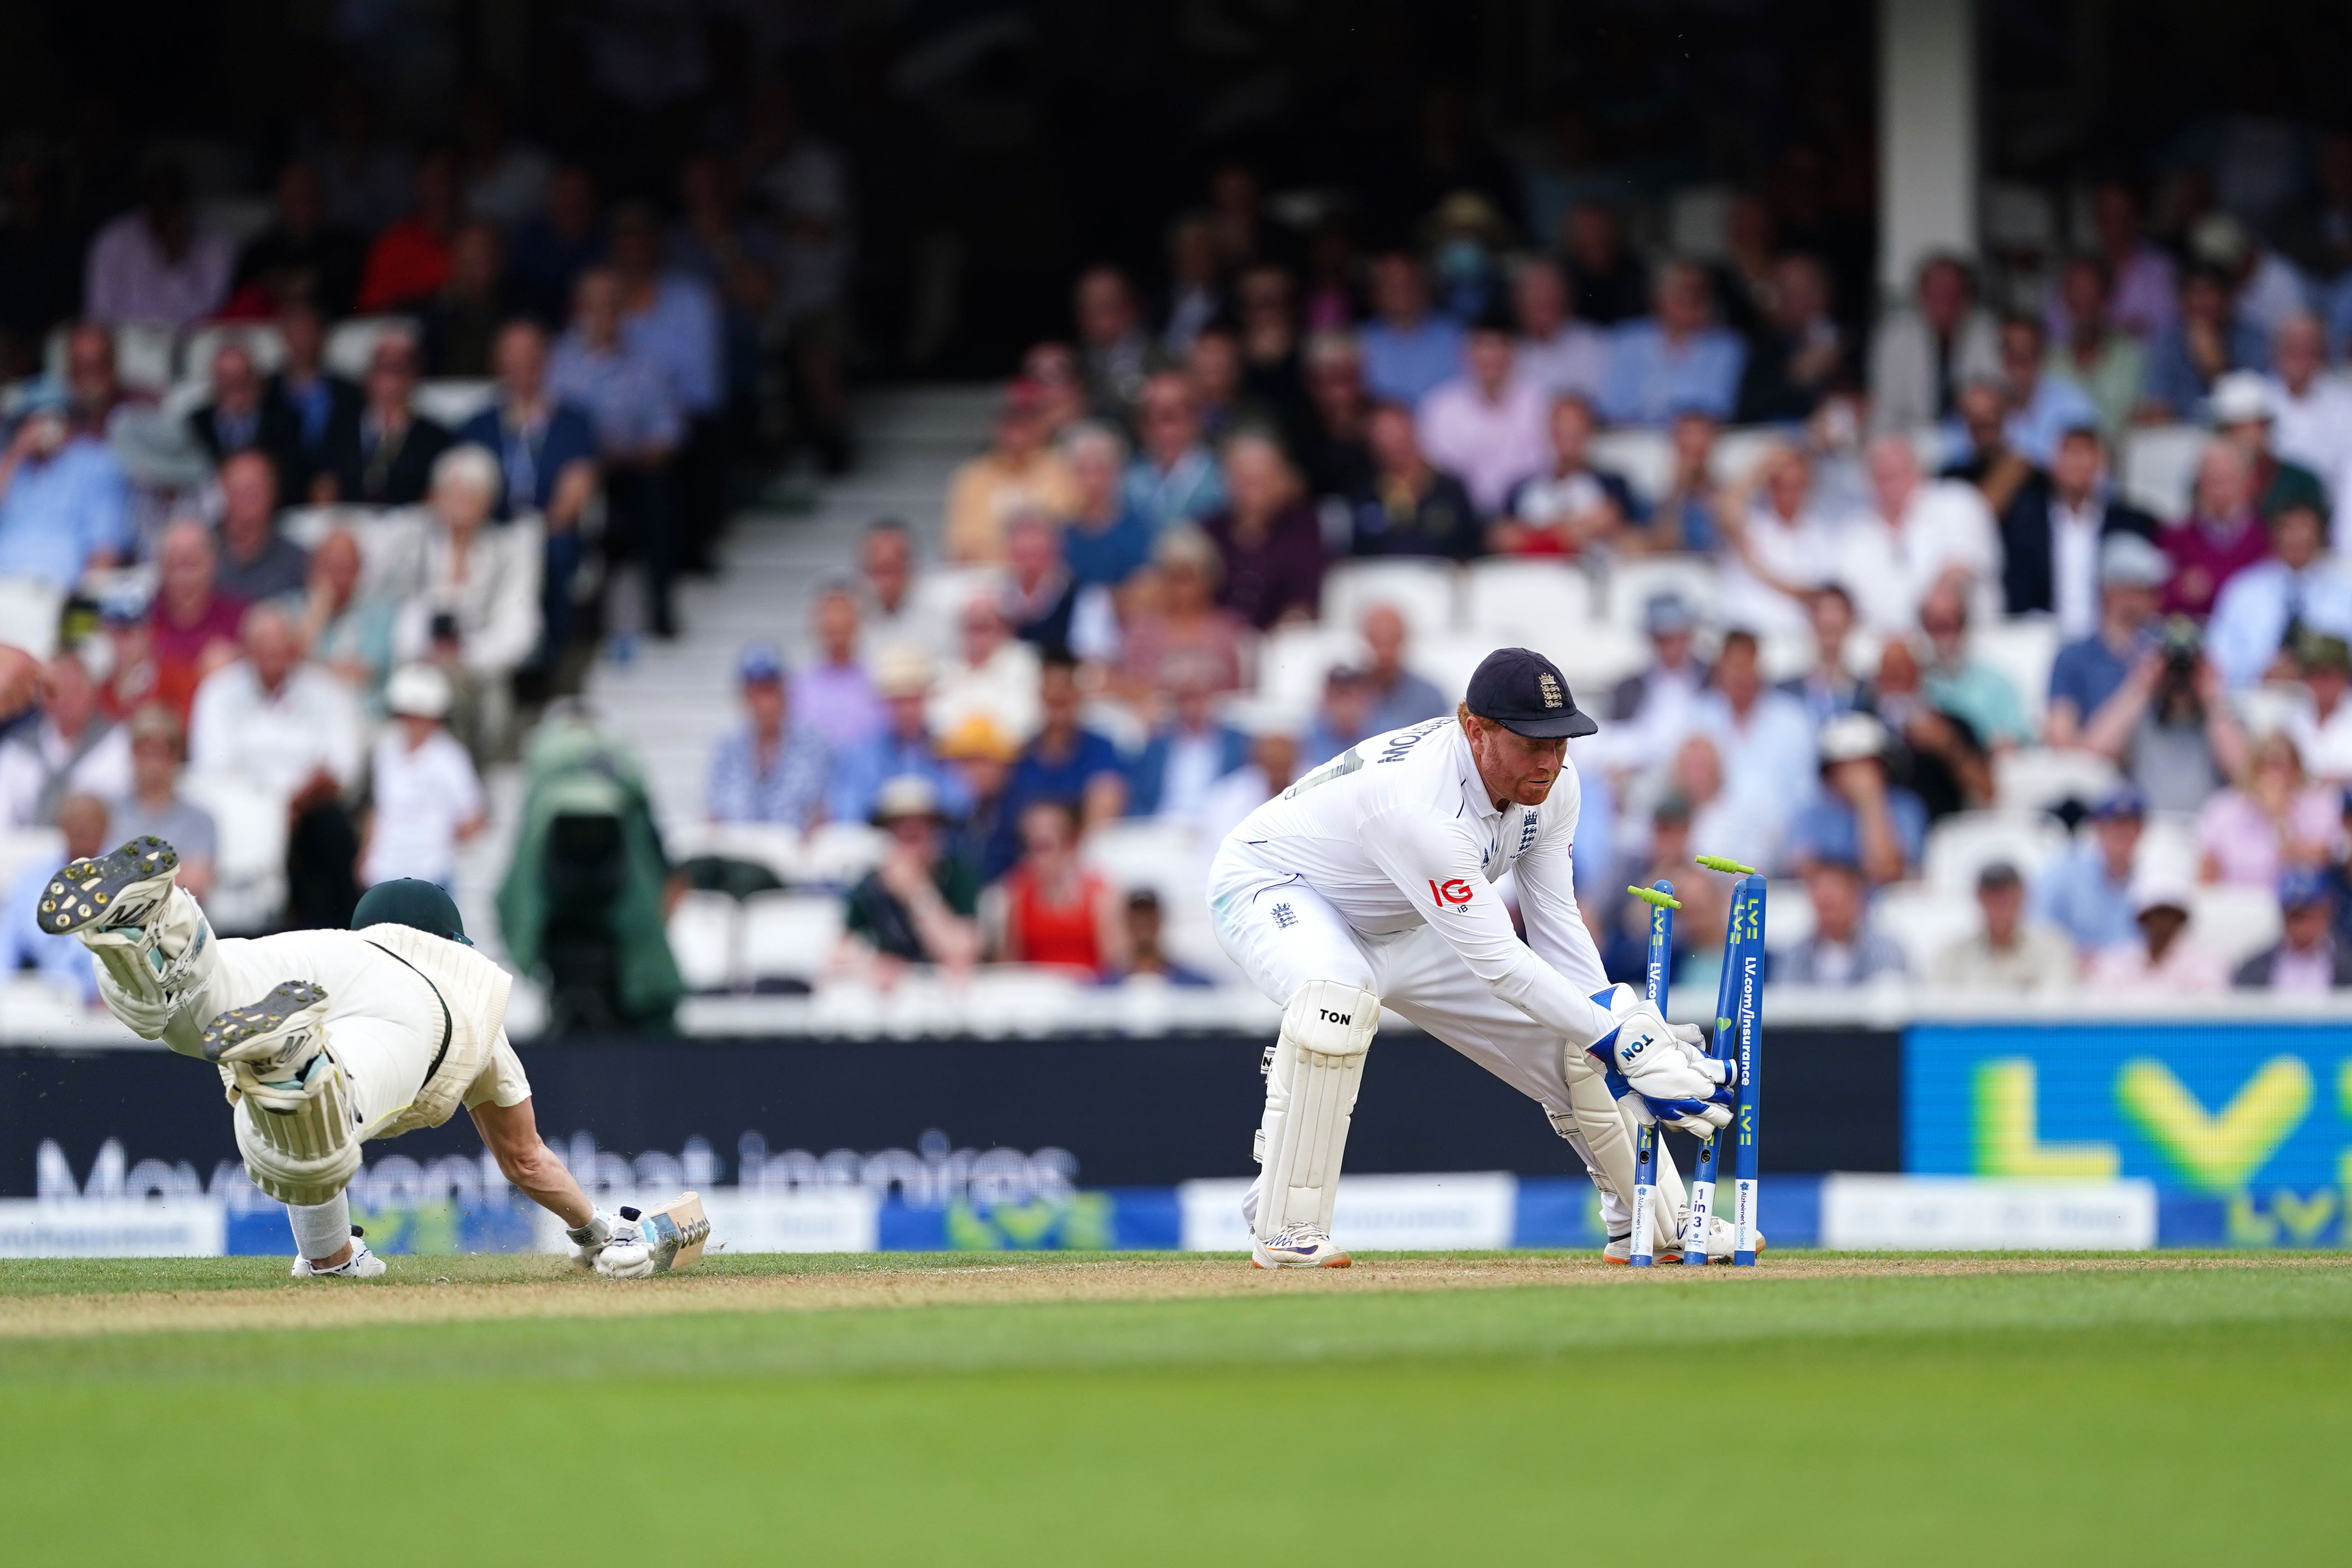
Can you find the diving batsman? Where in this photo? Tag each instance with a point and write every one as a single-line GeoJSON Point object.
{"type": "Point", "coordinates": [325, 1040]}
{"type": "Point", "coordinates": [1370, 883]}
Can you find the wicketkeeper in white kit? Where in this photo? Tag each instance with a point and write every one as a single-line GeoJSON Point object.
{"type": "Point", "coordinates": [325, 1040]}
{"type": "Point", "coordinates": [1370, 883]}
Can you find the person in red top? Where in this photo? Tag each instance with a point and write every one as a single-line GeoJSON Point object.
{"type": "Point", "coordinates": [2221, 536]}
{"type": "Point", "coordinates": [191, 629]}
{"type": "Point", "coordinates": [409, 262]}
{"type": "Point", "coordinates": [1053, 907]}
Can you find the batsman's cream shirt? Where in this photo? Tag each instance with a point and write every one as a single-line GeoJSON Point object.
{"type": "Point", "coordinates": [1398, 831]}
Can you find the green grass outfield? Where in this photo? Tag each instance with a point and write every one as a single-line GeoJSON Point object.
{"type": "Point", "coordinates": [1814, 1410]}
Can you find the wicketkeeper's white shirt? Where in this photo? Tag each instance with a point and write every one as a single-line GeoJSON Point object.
{"type": "Point", "coordinates": [1398, 831]}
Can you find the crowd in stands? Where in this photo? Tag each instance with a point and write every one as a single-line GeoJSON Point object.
{"type": "Point", "coordinates": [1834, 532]}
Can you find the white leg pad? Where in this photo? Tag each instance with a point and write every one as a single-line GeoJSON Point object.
{"type": "Point", "coordinates": [148, 973]}
{"type": "Point", "coordinates": [307, 1154]}
{"type": "Point", "coordinates": [1310, 1097]}
{"type": "Point", "coordinates": [1599, 1133]}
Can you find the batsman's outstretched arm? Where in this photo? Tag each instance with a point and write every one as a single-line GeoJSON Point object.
{"type": "Point", "coordinates": [601, 1242]}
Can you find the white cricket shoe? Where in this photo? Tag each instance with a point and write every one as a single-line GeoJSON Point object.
{"type": "Point", "coordinates": [1620, 1250]}
{"type": "Point", "coordinates": [361, 1265]}
{"type": "Point", "coordinates": [1298, 1247]}
{"type": "Point", "coordinates": [612, 1244]}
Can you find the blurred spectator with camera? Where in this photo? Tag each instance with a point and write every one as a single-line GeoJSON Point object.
{"type": "Point", "coordinates": [255, 561]}
{"type": "Point", "coordinates": [2169, 725]}
{"type": "Point", "coordinates": [2221, 536]}
{"type": "Point", "coordinates": [2161, 958]}
{"type": "Point", "coordinates": [2308, 960]}
{"type": "Point", "coordinates": [2271, 818]}
{"type": "Point", "coordinates": [770, 770]}
{"type": "Point", "coordinates": [2086, 892]}
{"type": "Point", "coordinates": [153, 805]}
{"type": "Point", "coordinates": [2089, 671]}
{"type": "Point", "coordinates": [64, 500]}
{"type": "Point", "coordinates": [1844, 950]}
{"type": "Point", "coordinates": [73, 748]}
{"type": "Point", "coordinates": [919, 905]}
{"type": "Point", "coordinates": [1677, 357]}
{"type": "Point", "coordinates": [1922, 352]}
{"type": "Point", "coordinates": [385, 456]}
{"type": "Point", "coordinates": [2265, 610]}
{"type": "Point", "coordinates": [2008, 955]}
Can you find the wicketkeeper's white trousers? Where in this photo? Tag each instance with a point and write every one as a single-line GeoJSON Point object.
{"type": "Point", "coordinates": [1283, 934]}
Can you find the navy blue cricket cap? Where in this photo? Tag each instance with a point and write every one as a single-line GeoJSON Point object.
{"type": "Point", "coordinates": [410, 901]}
{"type": "Point", "coordinates": [1522, 691]}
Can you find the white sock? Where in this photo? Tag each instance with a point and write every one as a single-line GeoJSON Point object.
{"type": "Point", "coordinates": [321, 1229]}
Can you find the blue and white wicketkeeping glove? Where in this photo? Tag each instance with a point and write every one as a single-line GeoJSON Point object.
{"type": "Point", "coordinates": [1664, 1067]}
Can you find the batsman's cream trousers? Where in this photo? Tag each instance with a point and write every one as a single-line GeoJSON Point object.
{"type": "Point", "coordinates": [1284, 933]}
{"type": "Point", "coordinates": [383, 1021]}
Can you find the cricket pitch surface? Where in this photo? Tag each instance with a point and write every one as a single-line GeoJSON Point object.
{"type": "Point", "coordinates": [1150, 1408]}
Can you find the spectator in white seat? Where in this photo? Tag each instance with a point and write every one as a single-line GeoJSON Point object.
{"type": "Point", "coordinates": [1273, 767]}
{"type": "Point", "coordinates": [834, 694]}
{"type": "Point", "coordinates": [61, 961]}
{"type": "Point", "coordinates": [1782, 547]}
{"type": "Point", "coordinates": [1963, 685]}
{"type": "Point", "coordinates": [256, 562]}
{"type": "Point", "coordinates": [993, 674]}
{"type": "Point", "coordinates": [2087, 891]}
{"type": "Point", "coordinates": [919, 905]}
{"type": "Point", "coordinates": [1571, 505]}
{"type": "Point", "coordinates": [2307, 960]}
{"type": "Point", "coordinates": [424, 797]}
{"type": "Point", "coordinates": [2273, 817]}
{"type": "Point", "coordinates": [2323, 730]}
{"type": "Point", "coordinates": [2161, 958]}
{"type": "Point", "coordinates": [477, 613]}
{"type": "Point", "coordinates": [2266, 610]}
{"type": "Point", "coordinates": [1860, 817]}
{"type": "Point", "coordinates": [274, 720]}
{"type": "Point", "coordinates": [74, 749]}
{"type": "Point", "coordinates": [1925, 352]}
{"type": "Point", "coordinates": [1936, 529]}
{"type": "Point", "coordinates": [2052, 530]}
{"type": "Point", "coordinates": [1765, 742]}
{"type": "Point", "coordinates": [2311, 412]}
{"type": "Point", "coordinates": [1649, 713]}
{"type": "Point", "coordinates": [1844, 950]}
{"type": "Point", "coordinates": [1341, 719]}
{"type": "Point", "coordinates": [770, 770]}
{"type": "Point", "coordinates": [1185, 756]}
{"type": "Point", "coordinates": [1174, 476]}
{"type": "Point", "coordinates": [348, 630]}
{"type": "Point", "coordinates": [2171, 727]}
{"type": "Point", "coordinates": [1399, 696]}
{"type": "Point", "coordinates": [2087, 674]}
{"type": "Point", "coordinates": [1558, 353]}
{"type": "Point", "coordinates": [153, 804]}
{"type": "Point", "coordinates": [889, 616]}
{"type": "Point", "coordinates": [1488, 424]}
{"type": "Point", "coordinates": [1147, 959]}
{"type": "Point", "coordinates": [1045, 603]}
{"type": "Point", "coordinates": [2008, 955]}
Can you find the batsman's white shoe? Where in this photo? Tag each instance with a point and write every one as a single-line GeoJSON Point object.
{"type": "Point", "coordinates": [152, 942]}
{"type": "Point", "coordinates": [1620, 1250]}
{"type": "Point", "coordinates": [361, 1265]}
{"type": "Point", "coordinates": [1298, 1247]}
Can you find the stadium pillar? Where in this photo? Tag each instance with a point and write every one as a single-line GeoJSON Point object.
{"type": "Point", "coordinates": [1927, 134]}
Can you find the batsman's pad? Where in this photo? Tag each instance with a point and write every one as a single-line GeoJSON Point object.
{"type": "Point", "coordinates": [1311, 1096]}
{"type": "Point", "coordinates": [307, 1152]}
{"type": "Point", "coordinates": [675, 1233]}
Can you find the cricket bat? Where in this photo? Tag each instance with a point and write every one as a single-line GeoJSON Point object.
{"type": "Point", "coordinates": [675, 1233]}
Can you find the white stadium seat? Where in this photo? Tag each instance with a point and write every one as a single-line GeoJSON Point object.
{"type": "Point", "coordinates": [1422, 590]}
{"type": "Point", "coordinates": [2157, 467]}
{"type": "Point", "coordinates": [2022, 648]}
{"type": "Point", "coordinates": [1633, 581]}
{"type": "Point", "coordinates": [28, 614]}
{"type": "Point", "coordinates": [22, 848]}
{"type": "Point", "coordinates": [704, 929]}
{"type": "Point", "coordinates": [350, 342]}
{"type": "Point", "coordinates": [2232, 921]}
{"type": "Point", "coordinates": [450, 403]}
{"type": "Point", "coordinates": [777, 847]}
{"type": "Point", "coordinates": [1962, 845]}
{"type": "Point", "coordinates": [2037, 778]}
{"type": "Point", "coordinates": [1292, 661]}
{"type": "Point", "coordinates": [1509, 599]}
{"type": "Point", "coordinates": [1644, 459]}
{"type": "Point", "coordinates": [840, 853]}
{"type": "Point", "coordinates": [262, 340]}
{"type": "Point", "coordinates": [1163, 853]}
{"type": "Point", "coordinates": [1788, 913]}
{"type": "Point", "coordinates": [1594, 657]}
{"type": "Point", "coordinates": [250, 851]}
{"type": "Point", "coordinates": [1922, 921]}
{"type": "Point", "coordinates": [789, 936]}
